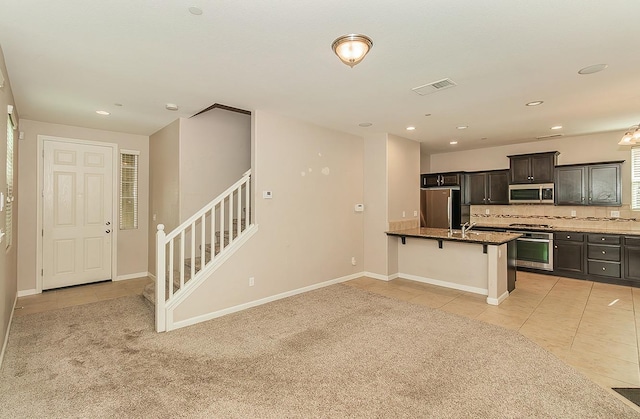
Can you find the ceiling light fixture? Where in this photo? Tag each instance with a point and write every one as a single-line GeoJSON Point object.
{"type": "Point", "coordinates": [632, 136]}
{"type": "Point", "coordinates": [453, 142]}
{"type": "Point", "coordinates": [105, 113]}
{"type": "Point", "coordinates": [411, 128]}
{"type": "Point", "coordinates": [556, 127]}
{"type": "Point", "coordinates": [365, 124]}
{"type": "Point", "coordinates": [463, 127]}
{"type": "Point", "coordinates": [352, 48]}
{"type": "Point", "coordinates": [535, 103]}
{"type": "Point", "coordinates": [171, 107]}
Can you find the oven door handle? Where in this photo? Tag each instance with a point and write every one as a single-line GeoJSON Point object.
{"type": "Point", "coordinates": [534, 240]}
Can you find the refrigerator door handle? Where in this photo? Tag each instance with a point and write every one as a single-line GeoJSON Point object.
{"type": "Point", "coordinates": [449, 216]}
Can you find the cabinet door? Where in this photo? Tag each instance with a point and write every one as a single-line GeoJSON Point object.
{"type": "Point", "coordinates": [498, 187]}
{"type": "Point", "coordinates": [604, 184]}
{"type": "Point", "coordinates": [450, 179]}
{"type": "Point", "coordinates": [632, 263]}
{"type": "Point", "coordinates": [429, 181]}
{"type": "Point", "coordinates": [477, 193]}
{"type": "Point", "coordinates": [519, 171]}
{"type": "Point", "coordinates": [542, 168]}
{"type": "Point", "coordinates": [568, 256]}
{"type": "Point", "coordinates": [571, 186]}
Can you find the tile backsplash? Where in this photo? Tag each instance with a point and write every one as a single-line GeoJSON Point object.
{"type": "Point", "coordinates": [559, 216]}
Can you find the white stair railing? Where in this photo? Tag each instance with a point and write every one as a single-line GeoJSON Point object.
{"type": "Point", "coordinates": [201, 241]}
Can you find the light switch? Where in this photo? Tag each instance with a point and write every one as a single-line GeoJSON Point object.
{"type": "Point", "coordinates": [267, 194]}
{"type": "Point", "coordinates": [359, 208]}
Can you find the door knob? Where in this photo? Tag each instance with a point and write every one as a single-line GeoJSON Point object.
{"type": "Point", "coordinates": [108, 231]}
{"type": "Point", "coordinates": [108, 223]}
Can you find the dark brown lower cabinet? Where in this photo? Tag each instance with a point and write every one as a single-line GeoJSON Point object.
{"type": "Point", "coordinates": [632, 258]}
{"type": "Point", "coordinates": [568, 252]}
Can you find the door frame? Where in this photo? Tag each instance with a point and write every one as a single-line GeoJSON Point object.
{"type": "Point", "coordinates": [40, 202]}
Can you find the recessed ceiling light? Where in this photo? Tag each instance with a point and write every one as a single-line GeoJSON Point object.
{"type": "Point", "coordinates": [593, 69]}
{"type": "Point", "coordinates": [463, 127]}
{"type": "Point", "coordinates": [365, 124]}
{"type": "Point", "coordinates": [427, 114]}
{"type": "Point", "coordinates": [556, 127]}
{"type": "Point", "coordinates": [483, 138]}
{"type": "Point", "coordinates": [117, 104]}
{"type": "Point", "coordinates": [411, 128]}
{"type": "Point", "coordinates": [535, 103]}
{"type": "Point", "coordinates": [171, 107]}
{"type": "Point", "coordinates": [195, 10]}
{"type": "Point", "coordinates": [103, 113]}
{"type": "Point", "coordinates": [453, 142]}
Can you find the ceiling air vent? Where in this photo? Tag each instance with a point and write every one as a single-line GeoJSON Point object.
{"type": "Point", "coordinates": [546, 137]}
{"type": "Point", "coordinates": [435, 86]}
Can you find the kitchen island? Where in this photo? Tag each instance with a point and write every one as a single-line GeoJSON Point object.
{"type": "Point", "coordinates": [477, 262]}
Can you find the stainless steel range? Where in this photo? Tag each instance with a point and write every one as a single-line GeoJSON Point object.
{"type": "Point", "coordinates": [534, 248]}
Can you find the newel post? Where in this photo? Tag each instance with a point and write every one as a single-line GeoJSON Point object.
{"type": "Point", "coordinates": [160, 278]}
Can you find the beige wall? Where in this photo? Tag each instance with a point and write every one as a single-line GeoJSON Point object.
{"type": "Point", "coordinates": [164, 181]}
{"type": "Point", "coordinates": [582, 149]}
{"type": "Point", "coordinates": [308, 233]}
{"type": "Point", "coordinates": [132, 244]}
{"type": "Point", "coordinates": [215, 151]}
{"type": "Point", "coordinates": [8, 259]}
{"type": "Point", "coordinates": [404, 179]}
{"type": "Point", "coordinates": [375, 204]}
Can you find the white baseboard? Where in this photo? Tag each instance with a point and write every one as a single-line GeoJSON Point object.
{"type": "Point", "coordinates": [131, 276]}
{"type": "Point", "coordinates": [152, 276]}
{"type": "Point", "coordinates": [497, 301]}
{"type": "Point", "coordinates": [377, 276]}
{"type": "Point", "coordinates": [446, 284]}
{"type": "Point", "coordinates": [209, 316]}
{"type": "Point", "coordinates": [6, 336]}
{"type": "Point", "coordinates": [24, 293]}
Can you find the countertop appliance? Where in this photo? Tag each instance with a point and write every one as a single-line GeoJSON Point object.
{"type": "Point", "coordinates": [541, 193]}
{"type": "Point", "coordinates": [442, 208]}
{"type": "Point", "coordinates": [534, 249]}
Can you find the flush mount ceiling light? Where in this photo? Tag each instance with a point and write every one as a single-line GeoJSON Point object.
{"type": "Point", "coordinates": [592, 69]}
{"type": "Point", "coordinates": [171, 107]}
{"type": "Point", "coordinates": [105, 113]}
{"type": "Point", "coordinates": [535, 103]}
{"type": "Point", "coordinates": [352, 48]}
{"type": "Point", "coordinates": [632, 136]}
{"type": "Point", "coordinates": [453, 142]}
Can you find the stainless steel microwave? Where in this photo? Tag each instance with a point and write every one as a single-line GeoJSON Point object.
{"type": "Point", "coordinates": [531, 194]}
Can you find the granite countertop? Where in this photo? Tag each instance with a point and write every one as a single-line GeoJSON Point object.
{"type": "Point", "coordinates": [480, 237]}
{"type": "Point", "coordinates": [552, 229]}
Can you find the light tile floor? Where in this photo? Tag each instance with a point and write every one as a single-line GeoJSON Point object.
{"type": "Point", "coordinates": [589, 325]}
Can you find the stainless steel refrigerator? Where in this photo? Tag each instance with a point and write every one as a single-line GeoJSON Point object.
{"type": "Point", "coordinates": [442, 208]}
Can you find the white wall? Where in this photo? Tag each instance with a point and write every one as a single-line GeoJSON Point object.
{"type": "Point", "coordinates": [164, 181]}
{"type": "Point", "coordinates": [404, 178]}
{"type": "Point", "coordinates": [132, 244]}
{"type": "Point", "coordinates": [309, 231]}
{"type": "Point", "coordinates": [8, 257]}
{"type": "Point", "coordinates": [581, 149]}
{"type": "Point", "coordinates": [215, 151]}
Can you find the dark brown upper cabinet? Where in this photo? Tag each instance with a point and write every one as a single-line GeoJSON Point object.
{"type": "Point", "coordinates": [532, 168]}
{"type": "Point", "coordinates": [434, 180]}
{"type": "Point", "coordinates": [589, 184]}
{"type": "Point", "coordinates": [486, 188]}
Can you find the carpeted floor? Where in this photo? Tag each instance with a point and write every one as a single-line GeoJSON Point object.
{"type": "Point", "coordinates": [334, 352]}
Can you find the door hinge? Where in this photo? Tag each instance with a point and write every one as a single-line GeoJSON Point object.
{"type": "Point", "coordinates": [41, 272]}
{"type": "Point", "coordinates": [43, 232]}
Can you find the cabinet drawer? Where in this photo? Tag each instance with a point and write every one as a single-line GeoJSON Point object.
{"type": "Point", "coordinates": [603, 239]}
{"type": "Point", "coordinates": [632, 241]}
{"type": "Point", "coordinates": [610, 269]}
{"type": "Point", "coordinates": [568, 236]}
{"type": "Point", "coordinates": [598, 252]}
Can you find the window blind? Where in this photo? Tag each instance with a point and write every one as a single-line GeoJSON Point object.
{"type": "Point", "coordinates": [9, 198]}
{"type": "Point", "coordinates": [635, 178]}
{"type": "Point", "coordinates": [128, 190]}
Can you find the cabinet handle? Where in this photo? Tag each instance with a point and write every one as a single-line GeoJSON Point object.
{"type": "Point", "coordinates": [604, 269]}
{"type": "Point", "coordinates": [555, 247]}
{"type": "Point", "coordinates": [568, 237]}
{"type": "Point", "coordinates": [603, 239]}
{"type": "Point", "coordinates": [604, 253]}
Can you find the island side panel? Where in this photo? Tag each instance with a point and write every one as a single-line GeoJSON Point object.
{"type": "Point", "coordinates": [497, 274]}
{"type": "Point", "coordinates": [458, 265]}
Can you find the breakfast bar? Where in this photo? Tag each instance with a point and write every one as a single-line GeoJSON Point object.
{"type": "Point", "coordinates": [473, 261]}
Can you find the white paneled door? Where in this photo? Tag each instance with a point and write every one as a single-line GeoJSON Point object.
{"type": "Point", "coordinates": [77, 214]}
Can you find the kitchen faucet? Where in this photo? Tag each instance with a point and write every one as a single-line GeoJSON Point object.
{"type": "Point", "coordinates": [466, 227]}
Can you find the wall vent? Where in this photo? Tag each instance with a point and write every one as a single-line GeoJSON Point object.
{"type": "Point", "coordinates": [435, 86]}
{"type": "Point", "coordinates": [546, 137]}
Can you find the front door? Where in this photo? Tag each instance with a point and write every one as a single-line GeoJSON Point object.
{"type": "Point", "coordinates": [77, 214]}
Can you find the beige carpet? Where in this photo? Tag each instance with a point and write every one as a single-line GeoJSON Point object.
{"type": "Point", "coordinates": [335, 352]}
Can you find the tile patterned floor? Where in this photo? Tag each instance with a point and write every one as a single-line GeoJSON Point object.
{"type": "Point", "coordinates": [589, 325]}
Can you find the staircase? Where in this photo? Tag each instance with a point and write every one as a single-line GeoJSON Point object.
{"type": "Point", "coordinates": [210, 235]}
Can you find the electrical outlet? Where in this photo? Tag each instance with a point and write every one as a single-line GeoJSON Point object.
{"type": "Point", "coordinates": [487, 211]}
{"type": "Point", "coordinates": [415, 213]}
{"type": "Point", "coordinates": [573, 213]}
{"type": "Point", "coordinates": [404, 214]}
{"type": "Point", "coordinates": [252, 281]}
{"type": "Point", "coordinates": [615, 214]}
{"type": "Point", "coordinates": [353, 260]}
